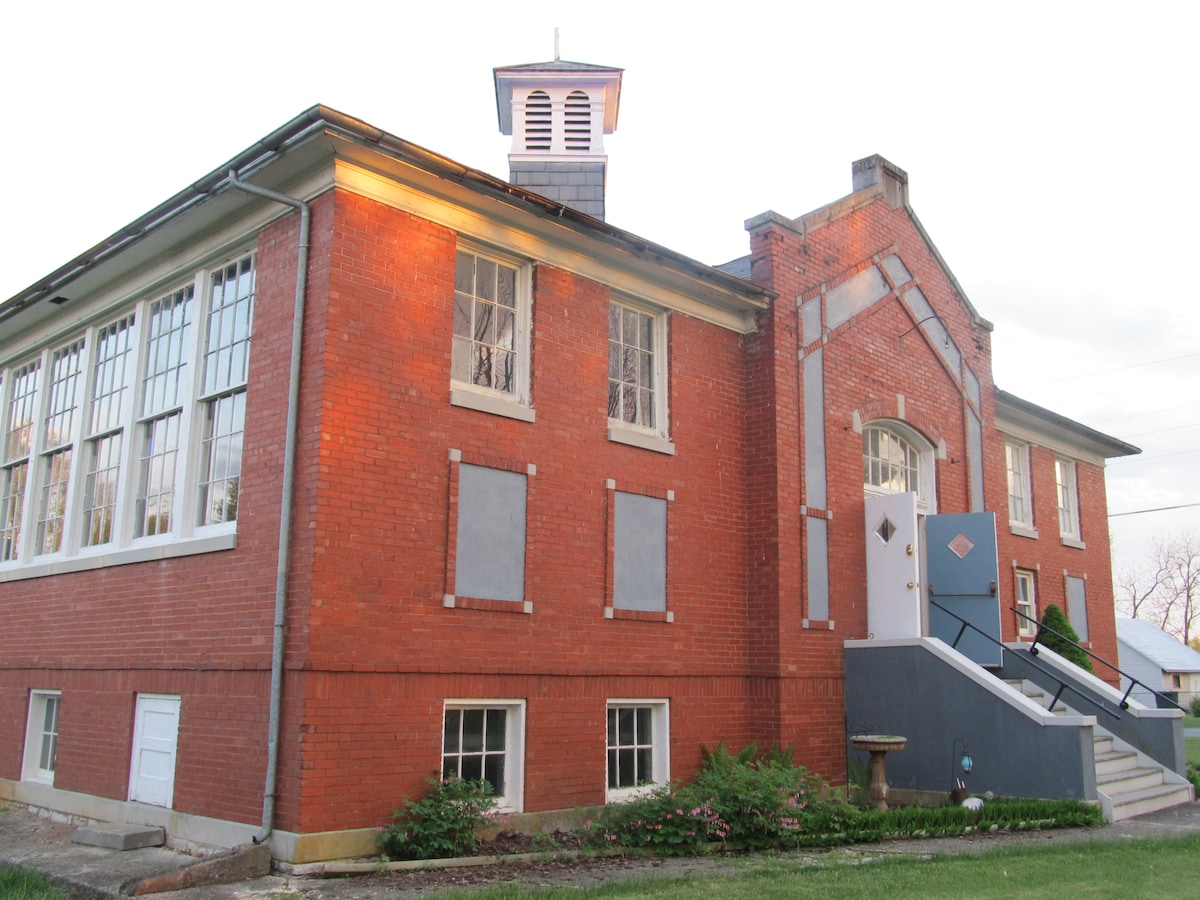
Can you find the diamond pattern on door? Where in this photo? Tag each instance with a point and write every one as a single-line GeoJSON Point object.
{"type": "Point", "coordinates": [961, 545]}
{"type": "Point", "coordinates": [885, 529]}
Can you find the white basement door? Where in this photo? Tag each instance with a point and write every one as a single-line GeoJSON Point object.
{"type": "Point", "coordinates": [155, 734]}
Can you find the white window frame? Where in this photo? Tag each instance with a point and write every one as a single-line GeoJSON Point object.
{"type": "Point", "coordinates": [1067, 488]}
{"type": "Point", "coordinates": [656, 437]}
{"type": "Point", "coordinates": [1020, 488]}
{"type": "Point", "coordinates": [659, 745]}
{"type": "Point", "coordinates": [1025, 588]}
{"type": "Point", "coordinates": [126, 424]}
{"type": "Point", "coordinates": [35, 736]}
{"type": "Point", "coordinates": [510, 795]}
{"type": "Point", "coordinates": [926, 484]}
{"type": "Point", "coordinates": [518, 403]}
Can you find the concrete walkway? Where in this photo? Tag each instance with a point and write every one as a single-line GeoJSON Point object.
{"type": "Point", "coordinates": [94, 872]}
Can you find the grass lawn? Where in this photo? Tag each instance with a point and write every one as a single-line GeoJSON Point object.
{"type": "Point", "coordinates": [1193, 751]}
{"type": "Point", "coordinates": [1191, 721]}
{"type": "Point", "coordinates": [21, 884]}
{"type": "Point", "coordinates": [1120, 871]}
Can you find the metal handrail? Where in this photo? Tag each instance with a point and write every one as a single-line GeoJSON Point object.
{"type": "Point", "coordinates": [1062, 685]}
{"type": "Point", "coordinates": [1100, 659]}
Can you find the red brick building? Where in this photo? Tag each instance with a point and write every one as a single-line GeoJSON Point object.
{"type": "Point", "coordinates": [525, 496]}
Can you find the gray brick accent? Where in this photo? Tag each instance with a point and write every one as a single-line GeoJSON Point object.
{"type": "Point", "coordinates": [578, 185]}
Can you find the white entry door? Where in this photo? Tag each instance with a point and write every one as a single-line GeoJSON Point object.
{"type": "Point", "coordinates": [893, 567]}
{"type": "Point", "coordinates": [155, 734]}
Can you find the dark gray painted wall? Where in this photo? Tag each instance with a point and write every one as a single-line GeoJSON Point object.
{"type": "Point", "coordinates": [1159, 737]}
{"type": "Point", "coordinates": [911, 691]}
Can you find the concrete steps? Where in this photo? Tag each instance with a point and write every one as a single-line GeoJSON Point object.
{"type": "Point", "coordinates": [1128, 783]}
{"type": "Point", "coordinates": [117, 836]}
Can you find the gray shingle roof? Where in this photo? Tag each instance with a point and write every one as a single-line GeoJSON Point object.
{"type": "Point", "coordinates": [739, 267]}
{"type": "Point", "coordinates": [1157, 646]}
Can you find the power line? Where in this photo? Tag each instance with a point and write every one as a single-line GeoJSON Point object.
{"type": "Point", "coordinates": [1138, 512]}
{"type": "Point", "coordinates": [1153, 362]}
{"type": "Point", "coordinates": [1140, 458]}
{"type": "Point", "coordinates": [1160, 430]}
{"type": "Point", "coordinates": [1152, 412]}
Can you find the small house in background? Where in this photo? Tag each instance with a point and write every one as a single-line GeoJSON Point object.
{"type": "Point", "coordinates": [1159, 660]}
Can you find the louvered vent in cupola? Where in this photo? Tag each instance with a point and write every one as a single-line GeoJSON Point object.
{"type": "Point", "coordinates": [578, 116]}
{"type": "Point", "coordinates": [537, 121]}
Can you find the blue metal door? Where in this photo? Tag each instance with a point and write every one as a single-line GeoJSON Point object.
{"type": "Point", "coordinates": [963, 574]}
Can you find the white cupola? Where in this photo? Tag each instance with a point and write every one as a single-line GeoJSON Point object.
{"type": "Point", "coordinates": [558, 113]}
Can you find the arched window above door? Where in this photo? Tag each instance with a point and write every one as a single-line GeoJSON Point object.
{"type": "Point", "coordinates": [897, 460]}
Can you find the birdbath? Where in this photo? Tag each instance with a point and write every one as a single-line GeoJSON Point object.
{"type": "Point", "coordinates": [878, 745]}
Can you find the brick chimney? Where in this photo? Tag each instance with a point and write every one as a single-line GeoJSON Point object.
{"type": "Point", "coordinates": [875, 171]}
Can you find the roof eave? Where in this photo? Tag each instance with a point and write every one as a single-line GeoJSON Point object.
{"type": "Point", "coordinates": [1012, 409]}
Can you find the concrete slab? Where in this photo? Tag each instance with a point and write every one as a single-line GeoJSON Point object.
{"type": "Point", "coordinates": [117, 836]}
{"type": "Point", "coordinates": [242, 863]}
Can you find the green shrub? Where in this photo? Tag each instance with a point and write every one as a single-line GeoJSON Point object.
{"type": "Point", "coordinates": [1196, 706]}
{"type": "Point", "coordinates": [1066, 646]}
{"type": "Point", "coordinates": [661, 820]}
{"type": "Point", "coordinates": [745, 800]}
{"type": "Point", "coordinates": [761, 799]}
{"type": "Point", "coordinates": [443, 823]}
{"type": "Point", "coordinates": [751, 802]}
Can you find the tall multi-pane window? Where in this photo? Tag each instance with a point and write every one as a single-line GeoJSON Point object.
{"type": "Point", "coordinates": [1068, 499]}
{"type": "Point", "coordinates": [485, 351]}
{"type": "Point", "coordinates": [132, 429]}
{"type": "Point", "coordinates": [1026, 602]}
{"type": "Point", "coordinates": [633, 390]}
{"type": "Point", "coordinates": [102, 444]}
{"type": "Point", "coordinates": [163, 385]}
{"type": "Point", "coordinates": [63, 389]}
{"type": "Point", "coordinates": [226, 366]}
{"type": "Point", "coordinates": [1020, 505]}
{"type": "Point", "coordinates": [41, 737]}
{"type": "Point", "coordinates": [18, 444]}
{"type": "Point", "coordinates": [49, 734]}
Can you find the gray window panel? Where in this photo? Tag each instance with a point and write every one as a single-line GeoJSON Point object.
{"type": "Point", "coordinates": [818, 569]}
{"type": "Point", "coordinates": [490, 553]}
{"type": "Point", "coordinates": [1077, 606]}
{"type": "Point", "coordinates": [975, 457]}
{"type": "Point", "coordinates": [896, 270]}
{"type": "Point", "coordinates": [854, 295]}
{"type": "Point", "coordinates": [640, 553]}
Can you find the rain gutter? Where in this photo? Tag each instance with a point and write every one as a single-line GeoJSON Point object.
{"type": "Point", "coordinates": [285, 510]}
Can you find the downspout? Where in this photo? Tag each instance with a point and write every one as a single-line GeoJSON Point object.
{"type": "Point", "coordinates": [285, 510]}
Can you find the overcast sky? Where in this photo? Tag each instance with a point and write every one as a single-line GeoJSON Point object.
{"type": "Point", "coordinates": [1050, 151]}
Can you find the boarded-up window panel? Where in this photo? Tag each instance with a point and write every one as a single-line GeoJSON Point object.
{"type": "Point", "coordinates": [1077, 606]}
{"type": "Point", "coordinates": [639, 552]}
{"type": "Point", "coordinates": [490, 549]}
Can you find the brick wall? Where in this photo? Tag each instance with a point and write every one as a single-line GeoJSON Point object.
{"type": "Point", "coordinates": [373, 652]}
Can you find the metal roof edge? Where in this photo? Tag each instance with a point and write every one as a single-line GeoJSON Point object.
{"type": "Point", "coordinates": [321, 118]}
{"type": "Point", "coordinates": [1102, 441]}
